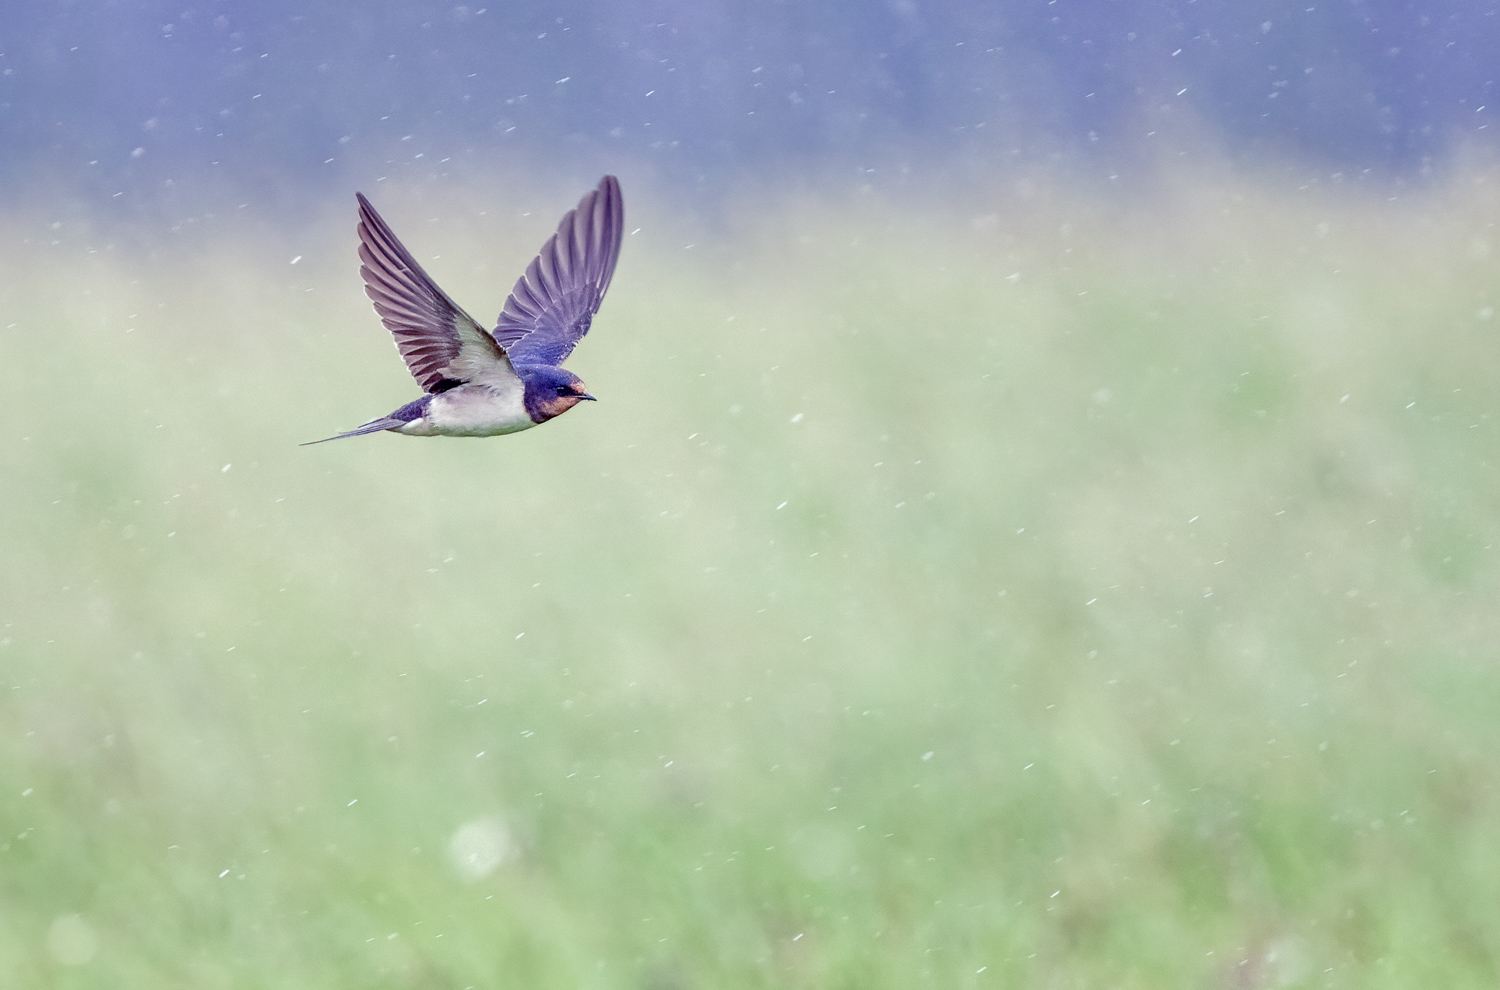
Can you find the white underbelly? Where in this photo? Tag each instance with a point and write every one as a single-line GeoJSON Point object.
{"type": "Point", "coordinates": [473, 411]}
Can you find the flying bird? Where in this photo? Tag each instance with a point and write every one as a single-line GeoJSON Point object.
{"type": "Point", "coordinates": [482, 383]}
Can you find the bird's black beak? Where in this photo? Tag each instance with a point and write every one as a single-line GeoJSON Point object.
{"type": "Point", "coordinates": [585, 395]}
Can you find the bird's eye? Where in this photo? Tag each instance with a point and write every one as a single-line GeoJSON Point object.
{"type": "Point", "coordinates": [564, 390]}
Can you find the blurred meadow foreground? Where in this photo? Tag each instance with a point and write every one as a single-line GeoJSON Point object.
{"type": "Point", "coordinates": [1047, 590]}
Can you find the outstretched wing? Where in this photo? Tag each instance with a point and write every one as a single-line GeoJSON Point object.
{"type": "Point", "coordinates": [551, 307]}
{"type": "Point", "coordinates": [440, 343]}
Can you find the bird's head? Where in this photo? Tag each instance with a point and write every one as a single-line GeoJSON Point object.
{"type": "Point", "coordinates": [551, 391]}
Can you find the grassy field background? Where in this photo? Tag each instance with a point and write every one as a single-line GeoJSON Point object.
{"type": "Point", "coordinates": [1048, 591]}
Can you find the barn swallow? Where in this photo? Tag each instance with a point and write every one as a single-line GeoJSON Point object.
{"type": "Point", "coordinates": [478, 383]}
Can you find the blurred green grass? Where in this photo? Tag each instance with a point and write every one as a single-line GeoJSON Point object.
{"type": "Point", "coordinates": [1048, 591]}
